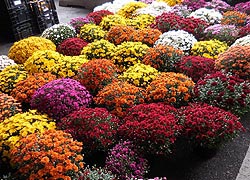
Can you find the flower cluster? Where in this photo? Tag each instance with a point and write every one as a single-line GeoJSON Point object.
{"type": "Point", "coordinates": [5, 61]}
{"type": "Point", "coordinates": [218, 5]}
{"type": "Point", "coordinates": [91, 32]}
{"type": "Point", "coordinates": [194, 4]}
{"type": "Point", "coordinates": [178, 39]}
{"type": "Point", "coordinates": [130, 8]}
{"type": "Point", "coordinates": [172, 2]}
{"type": "Point", "coordinates": [53, 154]}
{"type": "Point", "coordinates": [152, 127]}
{"type": "Point", "coordinates": [95, 127]}
{"type": "Point", "coordinates": [139, 74]}
{"type": "Point", "coordinates": [234, 18]}
{"type": "Point", "coordinates": [69, 65]}
{"type": "Point", "coordinates": [99, 49]}
{"type": "Point", "coordinates": [128, 54]}
{"type": "Point", "coordinates": [224, 90]}
{"type": "Point", "coordinates": [91, 173]}
{"type": "Point", "coordinates": [209, 49]}
{"type": "Point", "coordinates": [163, 58]}
{"type": "Point", "coordinates": [243, 7]}
{"type": "Point", "coordinates": [171, 21]}
{"type": "Point", "coordinates": [118, 96]}
{"type": "Point", "coordinates": [71, 46]}
{"type": "Point", "coordinates": [125, 162]}
{"type": "Point", "coordinates": [10, 76]}
{"type": "Point", "coordinates": [141, 21]}
{"type": "Point", "coordinates": [98, 15]}
{"type": "Point", "coordinates": [244, 31]}
{"type": "Point", "coordinates": [171, 88]}
{"type": "Point", "coordinates": [196, 67]}
{"type": "Point", "coordinates": [60, 97]}
{"type": "Point", "coordinates": [243, 41]}
{"type": "Point", "coordinates": [78, 22]}
{"type": "Point", "coordinates": [225, 33]}
{"type": "Point", "coordinates": [146, 36]}
{"type": "Point", "coordinates": [156, 8]}
{"type": "Point", "coordinates": [96, 74]}
{"type": "Point", "coordinates": [112, 20]}
{"type": "Point", "coordinates": [235, 60]}
{"type": "Point", "coordinates": [26, 88]}
{"type": "Point", "coordinates": [181, 10]}
{"type": "Point", "coordinates": [8, 106]}
{"type": "Point", "coordinates": [119, 34]}
{"type": "Point", "coordinates": [19, 126]}
{"type": "Point", "coordinates": [43, 61]}
{"type": "Point", "coordinates": [21, 50]}
{"type": "Point", "coordinates": [58, 33]}
{"type": "Point", "coordinates": [209, 126]}
{"type": "Point", "coordinates": [211, 16]}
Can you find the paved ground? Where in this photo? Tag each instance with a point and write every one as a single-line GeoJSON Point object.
{"type": "Point", "coordinates": [224, 165]}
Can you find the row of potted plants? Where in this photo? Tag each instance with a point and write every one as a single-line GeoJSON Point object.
{"type": "Point", "coordinates": [126, 84]}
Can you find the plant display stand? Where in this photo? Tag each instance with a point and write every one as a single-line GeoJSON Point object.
{"type": "Point", "coordinates": [88, 4]}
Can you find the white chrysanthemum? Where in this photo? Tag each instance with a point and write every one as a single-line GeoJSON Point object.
{"type": "Point", "coordinates": [178, 39]}
{"type": "Point", "coordinates": [59, 32]}
{"type": "Point", "coordinates": [113, 7]}
{"type": "Point", "coordinates": [244, 41]}
{"type": "Point", "coordinates": [155, 9]}
{"type": "Point", "coordinates": [209, 15]}
{"type": "Point", "coordinates": [5, 61]}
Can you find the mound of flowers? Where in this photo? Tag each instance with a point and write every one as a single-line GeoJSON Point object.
{"type": "Point", "coordinates": [179, 39]}
{"type": "Point", "coordinates": [21, 50]}
{"type": "Point", "coordinates": [196, 67]}
{"type": "Point", "coordinates": [19, 126]}
{"type": "Point", "coordinates": [5, 61]}
{"type": "Point", "coordinates": [58, 33]}
{"type": "Point", "coordinates": [224, 33]}
{"type": "Point", "coordinates": [153, 127]}
{"type": "Point", "coordinates": [125, 161]}
{"type": "Point", "coordinates": [95, 127]}
{"type": "Point", "coordinates": [128, 54]}
{"type": "Point", "coordinates": [224, 90]}
{"type": "Point", "coordinates": [60, 97]}
{"type": "Point", "coordinates": [234, 18]}
{"type": "Point", "coordinates": [10, 76]}
{"type": "Point", "coordinates": [43, 61]}
{"type": "Point", "coordinates": [8, 106]}
{"type": "Point", "coordinates": [209, 49]}
{"type": "Point", "coordinates": [172, 88]}
{"type": "Point", "coordinates": [97, 16]}
{"type": "Point", "coordinates": [139, 74]}
{"type": "Point", "coordinates": [96, 74]}
{"type": "Point", "coordinates": [130, 84]}
{"type": "Point", "coordinates": [54, 154]}
{"type": "Point", "coordinates": [235, 60]}
{"type": "Point", "coordinates": [71, 46]}
{"type": "Point", "coordinates": [91, 32]}
{"type": "Point", "coordinates": [209, 126]}
{"type": "Point", "coordinates": [171, 21]}
{"type": "Point", "coordinates": [99, 49]}
{"type": "Point", "coordinates": [118, 96]}
{"type": "Point", "coordinates": [129, 9]}
{"type": "Point", "coordinates": [162, 57]}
